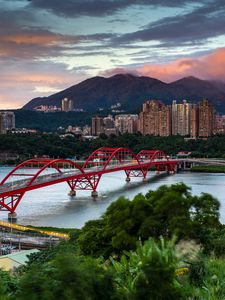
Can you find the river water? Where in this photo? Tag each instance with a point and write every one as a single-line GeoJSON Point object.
{"type": "Point", "coordinates": [51, 206]}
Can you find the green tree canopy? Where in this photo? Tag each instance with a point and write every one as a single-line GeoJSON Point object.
{"type": "Point", "coordinates": [168, 210]}
{"type": "Point", "coordinates": [67, 277]}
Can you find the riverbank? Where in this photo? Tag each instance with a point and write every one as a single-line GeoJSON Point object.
{"type": "Point", "coordinates": [208, 169]}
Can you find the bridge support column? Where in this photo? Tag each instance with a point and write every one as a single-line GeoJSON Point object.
{"type": "Point", "coordinates": [12, 217]}
{"type": "Point", "coordinates": [145, 180]}
{"type": "Point", "coordinates": [127, 179]}
{"type": "Point", "coordinates": [94, 194]}
{"type": "Point", "coordinates": [72, 193]}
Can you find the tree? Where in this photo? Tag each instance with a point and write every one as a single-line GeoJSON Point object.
{"type": "Point", "coordinates": [149, 271]}
{"type": "Point", "coordinates": [67, 277]}
{"type": "Point", "coordinates": [168, 210]}
{"type": "Point", "coordinates": [8, 285]}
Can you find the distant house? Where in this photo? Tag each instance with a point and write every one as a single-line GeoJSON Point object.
{"type": "Point", "coordinates": [12, 261]}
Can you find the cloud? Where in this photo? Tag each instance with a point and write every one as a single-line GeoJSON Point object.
{"type": "Point", "coordinates": [76, 8]}
{"type": "Point", "coordinates": [112, 72]}
{"type": "Point", "coordinates": [20, 39]}
{"type": "Point", "coordinates": [208, 67]}
{"type": "Point", "coordinates": [22, 81]}
{"type": "Point", "coordinates": [201, 23]}
{"type": "Point", "coordinates": [35, 33]}
{"type": "Point", "coordinates": [38, 43]}
{"type": "Point", "coordinates": [28, 44]}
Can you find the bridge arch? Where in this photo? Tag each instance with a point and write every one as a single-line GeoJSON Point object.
{"type": "Point", "coordinates": [18, 167]}
{"type": "Point", "coordinates": [11, 200]}
{"type": "Point", "coordinates": [40, 165]}
{"type": "Point", "coordinates": [106, 156]}
{"type": "Point", "coordinates": [151, 157]}
{"type": "Point", "coordinates": [152, 154]}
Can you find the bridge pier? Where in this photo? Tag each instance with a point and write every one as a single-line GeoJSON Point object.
{"type": "Point", "coordinates": [72, 193]}
{"type": "Point", "coordinates": [170, 171]}
{"type": "Point", "coordinates": [94, 194]}
{"type": "Point", "coordinates": [12, 217]}
{"type": "Point", "coordinates": [127, 179]}
{"type": "Point", "coordinates": [186, 165]}
{"type": "Point", "coordinates": [145, 180]}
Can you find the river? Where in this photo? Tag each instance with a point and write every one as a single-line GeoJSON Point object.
{"type": "Point", "coordinates": [51, 206]}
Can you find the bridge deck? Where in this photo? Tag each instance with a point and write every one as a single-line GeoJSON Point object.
{"type": "Point", "coordinates": [17, 186]}
{"type": "Point", "coordinates": [101, 161]}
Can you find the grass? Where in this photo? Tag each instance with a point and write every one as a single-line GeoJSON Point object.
{"type": "Point", "coordinates": [55, 229]}
{"type": "Point", "coordinates": [208, 169]}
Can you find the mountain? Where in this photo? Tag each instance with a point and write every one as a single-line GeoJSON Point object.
{"type": "Point", "coordinates": [131, 91]}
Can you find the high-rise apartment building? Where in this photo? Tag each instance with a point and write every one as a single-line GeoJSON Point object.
{"type": "Point", "coordinates": [126, 123]}
{"type": "Point", "coordinates": [219, 124]}
{"type": "Point", "coordinates": [181, 118]}
{"type": "Point", "coordinates": [194, 121]}
{"type": "Point", "coordinates": [67, 105]}
{"type": "Point", "coordinates": [155, 119]}
{"type": "Point", "coordinates": [109, 125]}
{"type": "Point", "coordinates": [109, 122]}
{"type": "Point", "coordinates": [97, 125]}
{"type": "Point", "coordinates": [185, 119]}
{"type": "Point", "coordinates": [165, 120]}
{"type": "Point", "coordinates": [7, 121]}
{"type": "Point", "coordinates": [206, 119]}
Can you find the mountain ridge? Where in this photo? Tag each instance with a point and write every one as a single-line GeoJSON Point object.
{"type": "Point", "coordinates": [132, 91]}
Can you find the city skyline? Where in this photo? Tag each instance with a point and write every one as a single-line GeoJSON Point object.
{"type": "Point", "coordinates": [47, 46]}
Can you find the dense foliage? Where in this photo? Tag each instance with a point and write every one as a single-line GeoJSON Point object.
{"type": "Point", "coordinates": [67, 277]}
{"type": "Point", "coordinates": [149, 272]}
{"type": "Point", "coordinates": [131, 253]}
{"type": "Point", "coordinates": [25, 145]}
{"type": "Point", "coordinates": [164, 212]}
{"type": "Point", "coordinates": [50, 121]}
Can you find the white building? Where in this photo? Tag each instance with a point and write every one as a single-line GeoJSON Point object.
{"type": "Point", "coordinates": [181, 114]}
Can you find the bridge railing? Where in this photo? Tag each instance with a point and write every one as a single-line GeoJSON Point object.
{"type": "Point", "coordinates": [86, 177]}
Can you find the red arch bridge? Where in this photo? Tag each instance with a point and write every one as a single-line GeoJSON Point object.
{"type": "Point", "coordinates": [40, 172]}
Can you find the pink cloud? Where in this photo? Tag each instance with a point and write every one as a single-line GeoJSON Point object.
{"type": "Point", "coordinates": [208, 67]}
{"type": "Point", "coordinates": [109, 73]}
{"type": "Point", "coordinates": [22, 82]}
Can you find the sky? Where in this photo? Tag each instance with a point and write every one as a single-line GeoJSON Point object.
{"type": "Point", "coordinates": [49, 45]}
